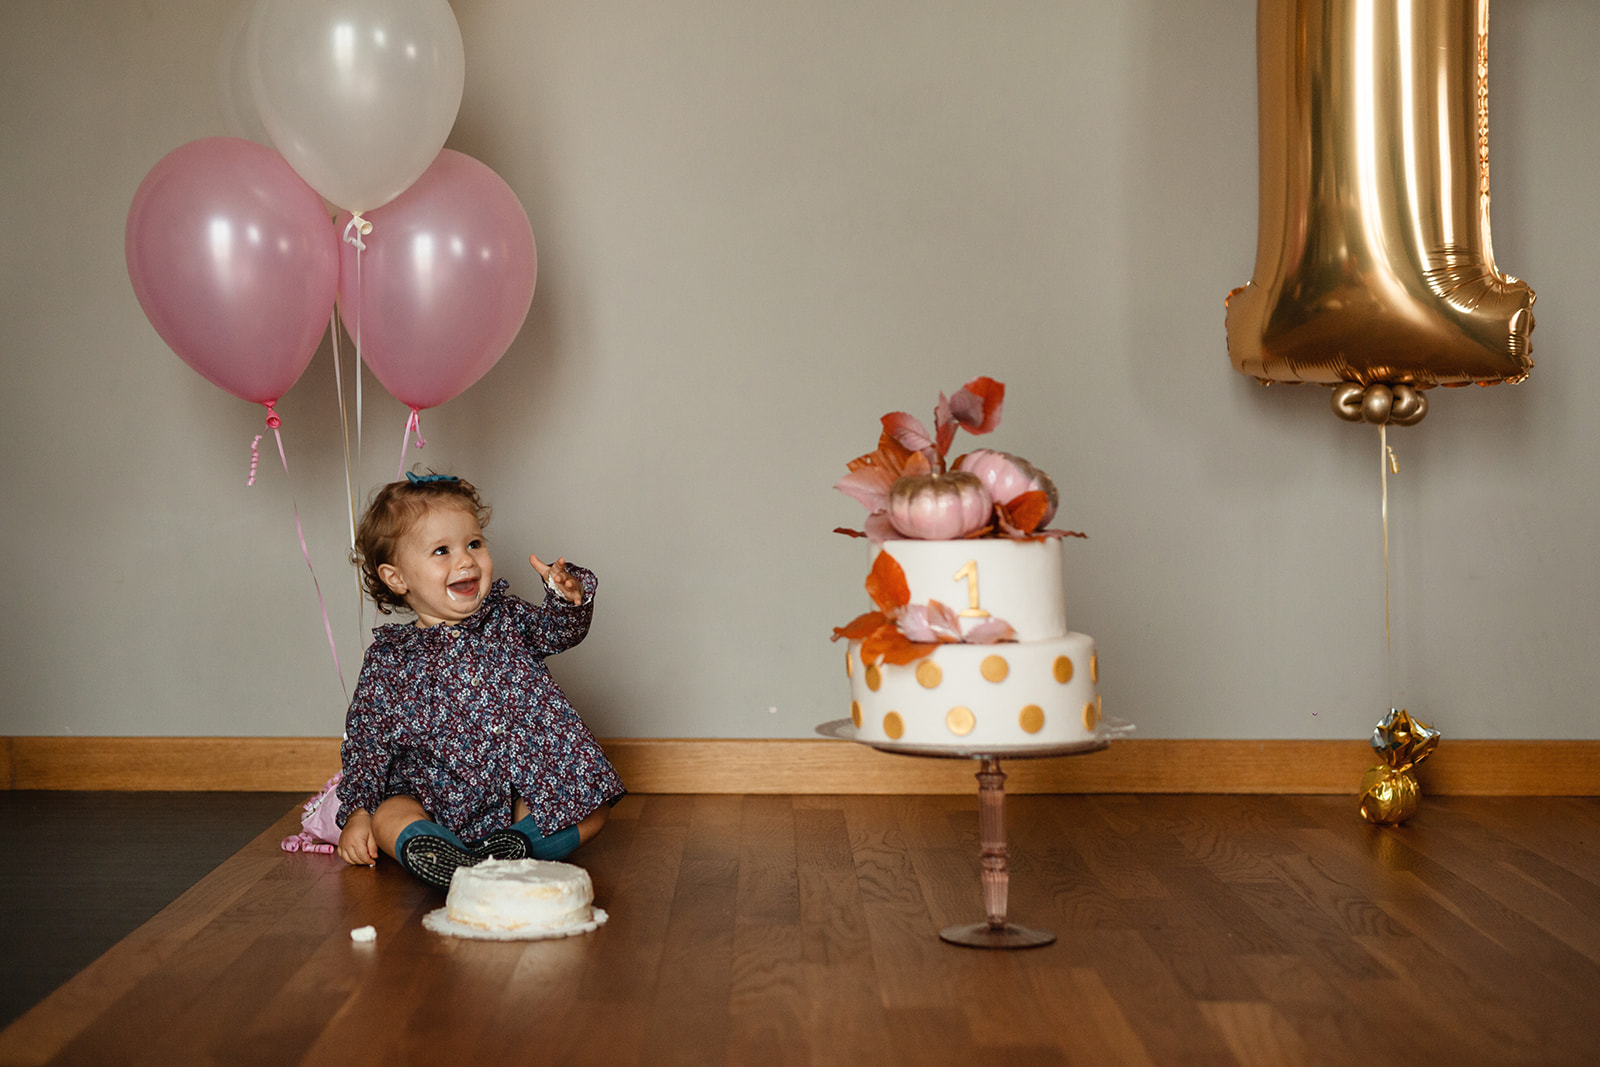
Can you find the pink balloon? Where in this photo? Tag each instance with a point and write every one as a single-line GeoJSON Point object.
{"type": "Point", "coordinates": [235, 263]}
{"type": "Point", "coordinates": [445, 281]}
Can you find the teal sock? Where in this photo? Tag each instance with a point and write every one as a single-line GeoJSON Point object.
{"type": "Point", "coordinates": [432, 853]}
{"type": "Point", "coordinates": [559, 845]}
{"type": "Point", "coordinates": [522, 839]}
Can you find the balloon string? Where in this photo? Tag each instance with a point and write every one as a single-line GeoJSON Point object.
{"type": "Point", "coordinates": [361, 600]}
{"type": "Point", "coordinates": [1386, 463]}
{"type": "Point", "coordinates": [305, 552]}
{"type": "Point", "coordinates": [344, 431]}
{"type": "Point", "coordinates": [360, 296]}
{"type": "Point", "coordinates": [413, 424]}
{"type": "Point", "coordinates": [349, 472]}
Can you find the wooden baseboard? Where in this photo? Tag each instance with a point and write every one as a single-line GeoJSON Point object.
{"type": "Point", "coordinates": [1146, 765]}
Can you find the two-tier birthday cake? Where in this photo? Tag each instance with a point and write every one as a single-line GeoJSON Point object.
{"type": "Point", "coordinates": [969, 648]}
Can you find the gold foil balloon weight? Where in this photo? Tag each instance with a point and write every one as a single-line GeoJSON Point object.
{"type": "Point", "coordinates": [1390, 793]}
{"type": "Point", "coordinates": [1380, 403]}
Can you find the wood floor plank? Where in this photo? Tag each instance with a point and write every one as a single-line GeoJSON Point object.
{"type": "Point", "coordinates": [1164, 1017]}
{"type": "Point", "coordinates": [1256, 1033]}
{"type": "Point", "coordinates": [767, 1014]}
{"type": "Point", "coordinates": [844, 1014]}
{"type": "Point", "coordinates": [688, 1014]}
{"type": "Point", "coordinates": [1076, 1004]}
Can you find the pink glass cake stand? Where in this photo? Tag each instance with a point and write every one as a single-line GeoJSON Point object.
{"type": "Point", "coordinates": [995, 874]}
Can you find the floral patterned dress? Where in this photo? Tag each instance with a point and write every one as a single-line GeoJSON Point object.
{"type": "Point", "coordinates": [466, 718]}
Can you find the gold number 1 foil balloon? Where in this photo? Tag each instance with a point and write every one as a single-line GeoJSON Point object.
{"type": "Point", "coordinates": [1373, 262]}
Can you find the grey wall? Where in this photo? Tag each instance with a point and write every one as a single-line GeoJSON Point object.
{"type": "Point", "coordinates": [761, 225]}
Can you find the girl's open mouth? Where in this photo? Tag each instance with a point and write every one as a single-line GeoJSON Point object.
{"type": "Point", "coordinates": [465, 589]}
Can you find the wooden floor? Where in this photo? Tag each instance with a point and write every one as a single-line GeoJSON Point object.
{"type": "Point", "coordinates": [777, 929]}
{"type": "Point", "coordinates": [87, 868]}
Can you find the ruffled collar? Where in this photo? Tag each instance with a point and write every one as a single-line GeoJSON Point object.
{"type": "Point", "coordinates": [406, 635]}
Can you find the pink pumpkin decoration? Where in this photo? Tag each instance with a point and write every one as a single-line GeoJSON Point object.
{"type": "Point", "coordinates": [939, 507]}
{"type": "Point", "coordinates": [1007, 477]}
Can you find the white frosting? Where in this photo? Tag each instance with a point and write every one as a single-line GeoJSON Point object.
{"type": "Point", "coordinates": [518, 896]}
{"type": "Point", "coordinates": [1039, 691]}
{"type": "Point", "coordinates": [1018, 581]}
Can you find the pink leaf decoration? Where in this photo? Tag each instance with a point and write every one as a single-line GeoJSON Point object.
{"type": "Point", "coordinates": [913, 624]}
{"type": "Point", "coordinates": [990, 631]}
{"type": "Point", "coordinates": [869, 485]}
{"type": "Point", "coordinates": [943, 621]}
{"type": "Point", "coordinates": [908, 432]}
{"type": "Point", "coordinates": [967, 409]}
{"type": "Point", "coordinates": [879, 528]}
{"type": "Point", "coordinates": [932, 622]}
{"type": "Point", "coordinates": [917, 464]}
{"type": "Point", "coordinates": [976, 405]}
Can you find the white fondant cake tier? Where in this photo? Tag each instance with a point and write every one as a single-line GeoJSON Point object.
{"type": "Point", "coordinates": [1018, 581]}
{"type": "Point", "coordinates": [1008, 695]}
{"type": "Point", "coordinates": [520, 896]}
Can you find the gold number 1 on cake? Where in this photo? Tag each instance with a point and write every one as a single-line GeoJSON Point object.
{"type": "Point", "coordinates": [969, 571]}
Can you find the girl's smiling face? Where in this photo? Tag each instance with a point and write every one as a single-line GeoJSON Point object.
{"type": "Point", "coordinates": [441, 566]}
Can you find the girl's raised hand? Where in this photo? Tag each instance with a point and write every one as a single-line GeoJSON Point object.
{"type": "Point", "coordinates": [557, 574]}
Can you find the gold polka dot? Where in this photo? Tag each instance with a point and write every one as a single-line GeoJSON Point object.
{"type": "Point", "coordinates": [892, 726]}
{"type": "Point", "coordinates": [1094, 668]}
{"type": "Point", "coordinates": [929, 674]}
{"type": "Point", "coordinates": [1063, 669]}
{"type": "Point", "coordinates": [1091, 715]}
{"type": "Point", "coordinates": [1099, 708]}
{"type": "Point", "coordinates": [961, 721]}
{"type": "Point", "coordinates": [995, 668]}
{"type": "Point", "coordinates": [1032, 719]}
{"type": "Point", "coordinates": [874, 677]}
{"type": "Point", "coordinates": [849, 665]}
{"type": "Point", "coordinates": [855, 712]}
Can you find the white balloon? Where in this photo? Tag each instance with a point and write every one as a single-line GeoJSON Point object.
{"type": "Point", "coordinates": [358, 95]}
{"type": "Point", "coordinates": [240, 117]}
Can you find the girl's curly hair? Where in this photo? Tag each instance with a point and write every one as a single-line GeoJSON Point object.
{"type": "Point", "coordinates": [393, 509]}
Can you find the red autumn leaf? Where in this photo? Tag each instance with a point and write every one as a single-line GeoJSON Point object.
{"type": "Point", "coordinates": [872, 475]}
{"type": "Point", "coordinates": [944, 427]}
{"type": "Point", "coordinates": [976, 405]}
{"type": "Point", "coordinates": [890, 455]}
{"type": "Point", "coordinates": [908, 431]}
{"type": "Point", "coordinates": [848, 532]}
{"type": "Point", "coordinates": [889, 645]}
{"type": "Point", "coordinates": [861, 626]}
{"type": "Point", "coordinates": [886, 584]}
{"type": "Point", "coordinates": [1028, 509]}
